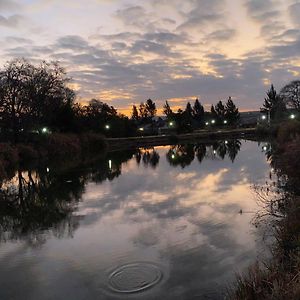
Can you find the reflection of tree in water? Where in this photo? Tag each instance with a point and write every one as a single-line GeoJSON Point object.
{"type": "Point", "coordinates": [36, 203]}
{"type": "Point", "coordinates": [183, 155]}
{"type": "Point", "coordinates": [200, 152]}
{"type": "Point", "coordinates": [111, 167]}
{"type": "Point", "coordinates": [233, 147]}
{"type": "Point", "coordinates": [149, 156]}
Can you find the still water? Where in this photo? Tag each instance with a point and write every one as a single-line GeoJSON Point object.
{"type": "Point", "coordinates": [166, 223]}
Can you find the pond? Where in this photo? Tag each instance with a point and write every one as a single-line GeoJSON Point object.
{"type": "Point", "coordinates": [170, 222]}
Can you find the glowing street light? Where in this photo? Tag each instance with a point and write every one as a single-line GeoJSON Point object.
{"type": "Point", "coordinates": [263, 117]}
{"type": "Point", "coordinates": [110, 164]}
{"type": "Point", "coordinates": [226, 142]}
{"type": "Point", "coordinates": [292, 117]}
{"type": "Point", "coordinates": [225, 122]}
{"type": "Point", "coordinates": [44, 130]}
{"type": "Point", "coordinates": [265, 148]}
{"type": "Point", "coordinates": [141, 129]}
{"type": "Point", "coordinates": [107, 127]}
{"type": "Point", "coordinates": [206, 123]}
{"type": "Point", "coordinates": [173, 156]}
{"type": "Point", "coordinates": [171, 124]}
{"type": "Point", "coordinates": [213, 121]}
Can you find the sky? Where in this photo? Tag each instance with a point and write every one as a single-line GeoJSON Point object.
{"type": "Point", "coordinates": [125, 51]}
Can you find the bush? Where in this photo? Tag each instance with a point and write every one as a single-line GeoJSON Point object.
{"type": "Point", "coordinates": [93, 143]}
{"type": "Point", "coordinates": [263, 130]}
{"type": "Point", "coordinates": [8, 160]}
{"type": "Point", "coordinates": [63, 146]}
{"type": "Point", "coordinates": [288, 131]}
{"type": "Point", "coordinates": [27, 153]}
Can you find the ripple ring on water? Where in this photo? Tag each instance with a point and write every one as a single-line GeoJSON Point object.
{"type": "Point", "coordinates": [134, 278]}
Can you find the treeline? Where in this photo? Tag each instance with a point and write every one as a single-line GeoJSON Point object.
{"type": "Point", "coordinates": [279, 106]}
{"type": "Point", "coordinates": [192, 117]}
{"type": "Point", "coordinates": [37, 99]}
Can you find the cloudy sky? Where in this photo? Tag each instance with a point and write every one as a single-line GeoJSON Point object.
{"type": "Point", "coordinates": [126, 51]}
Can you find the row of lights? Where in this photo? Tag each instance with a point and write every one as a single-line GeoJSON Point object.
{"type": "Point", "coordinates": [292, 117]}
{"type": "Point", "coordinates": [214, 122]}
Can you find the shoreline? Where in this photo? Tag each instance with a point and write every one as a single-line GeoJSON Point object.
{"type": "Point", "coordinates": [116, 144]}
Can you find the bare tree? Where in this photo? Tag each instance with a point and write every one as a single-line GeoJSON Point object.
{"type": "Point", "coordinates": [31, 95]}
{"type": "Point", "coordinates": [291, 94]}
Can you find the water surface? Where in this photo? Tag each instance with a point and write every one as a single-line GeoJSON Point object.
{"type": "Point", "coordinates": [165, 223]}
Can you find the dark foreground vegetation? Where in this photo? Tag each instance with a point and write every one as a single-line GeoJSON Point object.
{"type": "Point", "coordinates": [279, 277]}
{"type": "Point", "coordinates": [55, 148]}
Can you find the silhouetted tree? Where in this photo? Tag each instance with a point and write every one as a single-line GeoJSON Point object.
{"type": "Point", "coordinates": [232, 114]}
{"type": "Point", "coordinates": [167, 110]}
{"type": "Point", "coordinates": [134, 114]}
{"type": "Point", "coordinates": [274, 105]}
{"type": "Point", "coordinates": [151, 108]}
{"type": "Point", "coordinates": [220, 111]}
{"type": "Point", "coordinates": [198, 112]}
{"type": "Point", "coordinates": [188, 110]}
{"type": "Point", "coordinates": [143, 111]}
{"type": "Point", "coordinates": [31, 95]}
{"type": "Point", "coordinates": [291, 94]}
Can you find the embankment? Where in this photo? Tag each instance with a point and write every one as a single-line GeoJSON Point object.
{"type": "Point", "coordinates": [116, 144]}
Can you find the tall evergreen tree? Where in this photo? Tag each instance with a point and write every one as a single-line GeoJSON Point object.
{"type": "Point", "coordinates": [220, 110]}
{"type": "Point", "coordinates": [167, 110]}
{"type": "Point", "coordinates": [151, 108]}
{"type": "Point", "coordinates": [188, 110]}
{"type": "Point", "coordinates": [232, 112]}
{"type": "Point", "coordinates": [274, 104]}
{"type": "Point", "coordinates": [198, 112]}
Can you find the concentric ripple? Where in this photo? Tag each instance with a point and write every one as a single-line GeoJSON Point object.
{"type": "Point", "coordinates": [133, 278]}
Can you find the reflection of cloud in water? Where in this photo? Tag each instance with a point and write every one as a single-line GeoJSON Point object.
{"type": "Point", "coordinates": [183, 219]}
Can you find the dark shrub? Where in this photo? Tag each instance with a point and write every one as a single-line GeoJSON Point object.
{"type": "Point", "coordinates": [93, 143]}
{"type": "Point", "coordinates": [27, 153]}
{"type": "Point", "coordinates": [288, 131]}
{"type": "Point", "coordinates": [63, 146]}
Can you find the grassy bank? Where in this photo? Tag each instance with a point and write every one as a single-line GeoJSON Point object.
{"type": "Point", "coordinates": [55, 147]}
{"type": "Point", "coordinates": [279, 277]}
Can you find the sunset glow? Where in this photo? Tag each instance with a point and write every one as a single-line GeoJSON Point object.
{"type": "Point", "coordinates": [124, 52]}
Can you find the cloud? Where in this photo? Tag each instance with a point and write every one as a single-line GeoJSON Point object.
{"type": "Point", "coordinates": [12, 21]}
{"type": "Point", "coordinates": [18, 40]}
{"type": "Point", "coordinates": [294, 11]}
{"type": "Point", "coordinates": [202, 12]}
{"type": "Point", "coordinates": [175, 50]}
{"type": "Point", "coordinates": [6, 5]}
{"type": "Point", "coordinates": [222, 35]}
